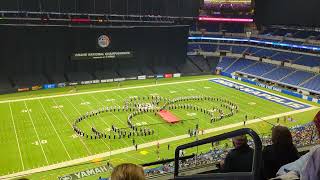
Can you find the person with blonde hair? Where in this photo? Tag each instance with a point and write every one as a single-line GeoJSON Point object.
{"type": "Point", "coordinates": [128, 171]}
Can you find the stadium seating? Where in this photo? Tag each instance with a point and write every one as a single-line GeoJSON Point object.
{"type": "Point", "coordinates": [305, 34]}
{"type": "Point", "coordinates": [239, 65]}
{"type": "Point", "coordinates": [285, 56]}
{"type": "Point", "coordinates": [200, 62]}
{"type": "Point", "coordinates": [193, 47]}
{"type": "Point", "coordinates": [238, 49]}
{"type": "Point", "coordinates": [278, 73]}
{"type": "Point", "coordinates": [213, 62]}
{"type": "Point", "coordinates": [293, 57]}
{"type": "Point", "coordinates": [252, 50]}
{"type": "Point", "coordinates": [265, 53]}
{"type": "Point", "coordinates": [226, 62]}
{"type": "Point", "coordinates": [307, 60]}
{"type": "Point", "coordinates": [297, 77]}
{"type": "Point", "coordinates": [233, 28]}
{"type": "Point", "coordinates": [292, 42]}
{"type": "Point", "coordinates": [208, 47]}
{"type": "Point", "coordinates": [224, 48]}
{"type": "Point", "coordinates": [209, 27]}
{"type": "Point", "coordinates": [188, 68]}
{"type": "Point", "coordinates": [313, 84]}
{"type": "Point", "coordinates": [259, 69]}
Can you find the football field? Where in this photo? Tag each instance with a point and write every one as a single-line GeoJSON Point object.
{"type": "Point", "coordinates": [36, 132]}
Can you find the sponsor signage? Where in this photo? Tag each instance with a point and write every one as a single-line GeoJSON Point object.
{"type": "Point", "coordinates": [23, 89]}
{"type": "Point", "coordinates": [49, 86]}
{"type": "Point", "coordinates": [34, 88]}
{"type": "Point", "coordinates": [96, 81]}
{"type": "Point", "coordinates": [103, 81]}
{"type": "Point", "coordinates": [261, 94]}
{"type": "Point", "coordinates": [104, 41]}
{"type": "Point", "coordinates": [142, 77]}
{"type": "Point", "coordinates": [176, 75]}
{"type": "Point", "coordinates": [86, 82]}
{"type": "Point", "coordinates": [73, 83]}
{"type": "Point", "coordinates": [131, 78]}
{"type": "Point", "coordinates": [159, 76]}
{"type": "Point", "coordinates": [150, 76]}
{"type": "Point", "coordinates": [268, 87]}
{"type": "Point", "coordinates": [119, 79]}
{"type": "Point", "coordinates": [110, 80]}
{"type": "Point", "coordinates": [61, 85]}
{"type": "Point", "coordinates": [86, 173]}
{"type": "Point", "coordinates": [101, 55]}
{"type": "Point", "coordinates": [168, 75]}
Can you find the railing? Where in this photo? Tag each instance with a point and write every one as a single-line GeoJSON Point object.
{"type": "Point", "coordinates": [254, 174]}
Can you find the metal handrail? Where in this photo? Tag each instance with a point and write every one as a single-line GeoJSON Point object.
{"type": "Point", "coordinates": [257, 146]}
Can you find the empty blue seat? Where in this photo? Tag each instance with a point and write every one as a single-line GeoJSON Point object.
{"type": "Point", "coordinates": [297, 78]}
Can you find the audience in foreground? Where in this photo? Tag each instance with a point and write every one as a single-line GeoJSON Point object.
{"type": "Point", "coordinates": [308, 166]}
{"type": "Point", "coordinates": [241, 153]}
{"type": "Point", "coordinates": [281, 152]}
{"type": "Point", "coordinates": [128, 171]}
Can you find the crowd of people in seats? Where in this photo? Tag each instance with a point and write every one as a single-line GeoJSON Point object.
{"type": "Point", "coordinates": [278, 153]}
{"type": "Point", "coordinates": [281, 158]}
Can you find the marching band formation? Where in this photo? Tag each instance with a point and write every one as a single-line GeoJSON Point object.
{"type": "Point", "coordinates": [136, 106]}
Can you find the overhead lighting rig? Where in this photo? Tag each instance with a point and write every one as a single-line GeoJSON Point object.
{"type": "Point", "coordinates": [69, 19]}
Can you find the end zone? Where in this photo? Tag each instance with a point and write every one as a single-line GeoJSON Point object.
{"type": "Point", "coordinates": [262, 94]}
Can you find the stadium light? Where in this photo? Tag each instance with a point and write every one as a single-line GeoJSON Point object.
{"type": "Point", "coordinates": [288, 45]}
{"type": "Point", "coordinates": [215, 19]}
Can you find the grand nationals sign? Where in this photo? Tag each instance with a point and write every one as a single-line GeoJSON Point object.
{"type": "Point", "coordinates": [101, 55]}
{"type": "Point", "coordinates": [261, 94]}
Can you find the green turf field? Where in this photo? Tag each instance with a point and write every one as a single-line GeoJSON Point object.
{"type": "Point", "coordinates": [36, 127]}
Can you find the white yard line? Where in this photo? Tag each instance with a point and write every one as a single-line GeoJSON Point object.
{"type": "Point", "coordinates": [64, 115]}
{"type": "Point", "coordinates": [55, 130]}
{"type": "Point", "coordinates": [114, 116]}
{"type": "Point", "coordinates": [146, 145]}
{"type": "Point", "coordinates": [106, 90]}
{"type": "Point", "coordinates": [90, 125]}
{"type": "Point", "coordinates": [35, 130]}
{"type": "Point", "coordinates": [15, 131]}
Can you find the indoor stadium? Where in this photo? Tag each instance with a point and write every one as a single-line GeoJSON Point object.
{"type": "Point", "coordinates": [159, 89]}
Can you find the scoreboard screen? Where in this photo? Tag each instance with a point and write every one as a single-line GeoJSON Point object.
{"type": "Point", "coordinates": [228, 8]}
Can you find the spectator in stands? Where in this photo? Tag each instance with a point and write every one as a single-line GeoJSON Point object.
{"type": "Point", "coordinates": [128, 171]}
{"type": "Point", "coordinates": [240, 158]}
{"type": "Point", "coordinates": [308, 166]}
{"type": "Point", "coordinates": [281, 152]}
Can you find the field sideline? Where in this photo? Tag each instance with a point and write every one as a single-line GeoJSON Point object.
{"type": "Point", "coordinates": [46, 122]}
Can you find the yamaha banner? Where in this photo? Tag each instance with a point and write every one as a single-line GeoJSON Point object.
{"type": "Point", "coordinates": [87, 173]}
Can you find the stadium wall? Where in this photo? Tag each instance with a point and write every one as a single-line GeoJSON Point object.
{"type": "Point", "coordinates": [34, 50]}
{"type": "Point", "coordinates": [284, 91]}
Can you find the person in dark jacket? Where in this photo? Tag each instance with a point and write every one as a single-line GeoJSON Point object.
{"type": "Point", "coordinates": [281, 152]}
{"type": "Point", "coordinates": [240, 158]}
